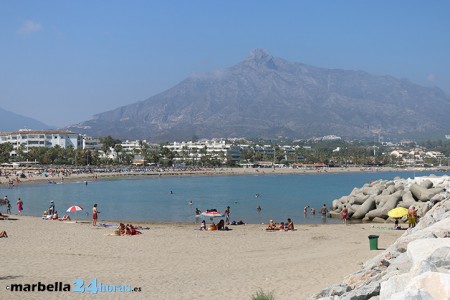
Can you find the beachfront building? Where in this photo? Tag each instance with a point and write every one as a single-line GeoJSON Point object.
{"type": "Point", "coordinates": [90, 143]}
{"type": "Point", "coordinates": [214, 149]}
{"type": "Point", "coordinates": [138, 145]}
{"type": "Point", "coordinates": [24, 139]}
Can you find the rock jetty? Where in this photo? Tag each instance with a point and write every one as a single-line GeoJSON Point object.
{"type": "Point", "coordinates": [374, 200]}
{"type": "Point", "coordinates": [417, 265]}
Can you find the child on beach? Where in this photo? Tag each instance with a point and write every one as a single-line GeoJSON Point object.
{"type": "Point", "coordinates": [203, 225]}
{"type": "Point", "coordinates": [19, 206]}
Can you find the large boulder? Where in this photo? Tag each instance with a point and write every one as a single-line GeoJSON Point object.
{"type": "Point", "coordinates": [427, 184]}
{"type": "Point", "coordinates": [386, 204]}
{"type": "Point", "coordinates": [407, 200]}
{"type": "Point", "coordinates": [364, 208]}
{"type": "Point", "coordinates": [420, 193]}
{"type": "Point", "coordinates": [358, 199]}
{"type": "Point", "coordinates": [371, 191]}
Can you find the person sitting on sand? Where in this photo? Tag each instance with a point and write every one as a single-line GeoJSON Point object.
{"type": "Point", "coordinates": [396, 225]}
{"type": "Point", "coordinates": [271, 226]}
{"type": "Point", "coordinates": [203, 225]}
{"type": "Point", "coordinates": [221, 225]}
{"type": "Point", "coordinates": [213, 227]}
{"type": "Point", "coordinates": [3, 234]}
{"type": "Point", "coordinates": [290, 225]}
{"type": "Point", "coordinates": [55, 216]}
{"type": "Point", "coordinates": [281, 227]}
{"type": "Point", "coordinates": [121, 229]}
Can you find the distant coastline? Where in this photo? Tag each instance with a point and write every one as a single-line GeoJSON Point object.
{"type": "Point", "coordinates": [33, 176]}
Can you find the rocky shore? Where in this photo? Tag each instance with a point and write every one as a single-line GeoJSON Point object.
{"type": "Point", "coordinates": [417, 265]}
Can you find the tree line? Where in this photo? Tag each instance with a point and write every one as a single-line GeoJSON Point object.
{"type": "Point", "coordinates": [332, 153]}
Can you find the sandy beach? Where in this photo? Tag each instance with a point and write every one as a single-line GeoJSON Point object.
{"type": "Point", "coordinates": [176, 261]}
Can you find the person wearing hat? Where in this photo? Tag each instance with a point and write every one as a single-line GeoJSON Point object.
{"type": "Point", "coordinates": [51, 209]}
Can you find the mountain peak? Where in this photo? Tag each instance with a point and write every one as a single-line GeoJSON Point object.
{"type": "Point", "coordinates": [260, 55]}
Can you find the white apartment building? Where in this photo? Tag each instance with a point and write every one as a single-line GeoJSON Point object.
{"type": "Point", "coordinates": [212, 148]}
{"type": "Point", "coordinates": [90, 143]}
{"type": "Point", "coordinates": [28, 138]}
{"type": "Point", "coordinates": [130, 146]}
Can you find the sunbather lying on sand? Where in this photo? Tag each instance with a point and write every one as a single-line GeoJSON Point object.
{"type": "Point", "coordinates": [130, 230]}
{"type": "Point", "coordinates": [281, 227]}
{"type": "Point", "coordinates": [65, 218]}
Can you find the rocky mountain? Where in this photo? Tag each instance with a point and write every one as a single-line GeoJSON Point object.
{"type": "Point", "coordinates": [265, 96]}
{"type": "Point", "coordinates": [10, 121]}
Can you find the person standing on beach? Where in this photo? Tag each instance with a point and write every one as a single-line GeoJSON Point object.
{"type": "Point", "coordinates": [94, 215]}
{"type": "Point", "coordinates": [227, 215]}
{"type": "Point", "coordinates": [8, 205]}
{"type": "Point", "coordinates": [344, 214]}
{"type": "Point", "coordinates": [51, 209]}
{"type": "Point", "coordinates": [412, 213]}
{"type": "Point", "coordinates": [19, 206]}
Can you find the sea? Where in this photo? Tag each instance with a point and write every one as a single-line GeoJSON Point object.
{"type": "Point", "coordinates": [167, 199]}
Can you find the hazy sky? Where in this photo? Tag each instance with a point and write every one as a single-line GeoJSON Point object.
{"type": "Point", "coordinates": [61, 62]}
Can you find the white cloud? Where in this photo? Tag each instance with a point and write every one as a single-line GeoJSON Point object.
{"type": "Point", "coordinates": [29, 27]}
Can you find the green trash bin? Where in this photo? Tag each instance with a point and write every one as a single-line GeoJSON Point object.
{"type": "Point", "coordinates": [373, 240]}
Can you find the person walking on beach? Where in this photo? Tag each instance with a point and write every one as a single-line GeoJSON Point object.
{"type": "Point", "coordinates": [19, 206]}
{"type": "Point", "coordinates": [344, 214]}
{"type": "Point", "coordinates": [94, 215]}
{"type": "Point", "coordinates": [227, 215]}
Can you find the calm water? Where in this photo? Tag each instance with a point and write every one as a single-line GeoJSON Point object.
{"type": "Point", "coordinates": [150, 199]}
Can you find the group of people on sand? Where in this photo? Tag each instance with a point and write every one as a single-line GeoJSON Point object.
{"type": "Point", "coordinates": [272, 226]}
{"type": "Point", "coordinates": [128, 229]}
{"type": "Point", "coordinates": [214, 226]}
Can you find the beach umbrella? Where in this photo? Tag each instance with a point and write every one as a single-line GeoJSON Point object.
{"type": "Point", "coordinates": [398, 212]}
{"type": "Point", "coordinates": [74, 208]}
{"type": "Point", "coordinates": [211, 214]}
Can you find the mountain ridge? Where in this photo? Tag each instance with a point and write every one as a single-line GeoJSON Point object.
{"type": "Point", "coordinates": [10, 121]}
{"type": "Point", "coordinates": [266, 96]}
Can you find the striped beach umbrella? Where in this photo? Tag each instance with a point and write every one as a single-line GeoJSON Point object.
{"type": "Point", "coordinates": [74, 208]}
{"type": "Point", "coordinates": [212, 214]}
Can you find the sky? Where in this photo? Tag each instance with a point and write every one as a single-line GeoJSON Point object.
{"type": "Point", "coordinates": [61, 62]}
